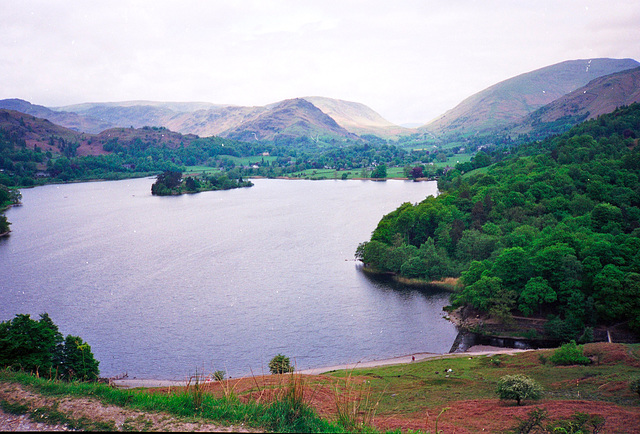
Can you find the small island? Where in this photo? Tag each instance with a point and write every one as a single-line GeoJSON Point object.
{"type": "Point", "coordinates": [172, 183]}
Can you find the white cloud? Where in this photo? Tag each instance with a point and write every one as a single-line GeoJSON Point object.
{"type": "Point", "coordinates": [408, 60]}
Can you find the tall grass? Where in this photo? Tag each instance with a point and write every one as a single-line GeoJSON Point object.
{"type": "Point", "coordinates": [288, 412]}
{"type": "Point", "coordinates": [355, 406]}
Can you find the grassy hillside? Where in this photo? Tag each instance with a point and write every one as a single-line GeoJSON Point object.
{"type": "Point", "coordinates": [512, 99]}
{"type": "Point", "coordinates": [453, 394]}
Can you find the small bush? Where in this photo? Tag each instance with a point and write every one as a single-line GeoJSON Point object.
{"type": "Point", "coordinates": [569, 354]}
{"type": "Point", "coordinates": [577, 423]}
{"type": "Point", "coordinates": [280, 365]}
{"type": "Point", "coordinates": [518, 387]}
{"type": "Point", "coordinates": [634, 385]}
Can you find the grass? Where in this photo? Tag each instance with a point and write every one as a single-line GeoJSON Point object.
{"type": "Point", "coordinates": [412, 387]}
{"type": "Point", "coordinates": [358, 399]}
{"type": "Point", "coordinates": [287, 413]}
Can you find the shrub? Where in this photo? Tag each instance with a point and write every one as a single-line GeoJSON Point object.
{"type": "Point", "coordinates": [518, 387]}
{"type": "Point", "coordinates": [280, 365]}
{"type": "Point", "coordinates": [634, 385]}
{"type": "Point", "coordinates": [569, 354]}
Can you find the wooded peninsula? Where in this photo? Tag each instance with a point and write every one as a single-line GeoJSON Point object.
{"type": "Point", "coordinates": [550, 229]}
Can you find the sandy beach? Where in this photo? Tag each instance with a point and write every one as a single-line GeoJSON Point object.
{"type": "Point", "coordinates": [475, 351]}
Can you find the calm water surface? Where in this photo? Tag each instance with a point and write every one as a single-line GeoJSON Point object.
{"type": "Point", "coordinates": [219, 280]}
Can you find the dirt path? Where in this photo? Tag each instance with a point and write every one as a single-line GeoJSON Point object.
{"type": "Point", "coordinates": [479, 350]}
{"type": "Point", "coordinates": [49, 413]}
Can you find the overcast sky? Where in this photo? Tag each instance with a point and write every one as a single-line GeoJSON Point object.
{"type": "Point", "coordinates": [408, 60]}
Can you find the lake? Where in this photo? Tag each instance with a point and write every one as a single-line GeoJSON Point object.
{"type": "Point", "coordinates": [225, 280]}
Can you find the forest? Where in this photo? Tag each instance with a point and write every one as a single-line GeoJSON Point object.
{"type": "Point", "coordinates": [551, 229]}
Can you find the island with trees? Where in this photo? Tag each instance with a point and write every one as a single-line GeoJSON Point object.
{"type": "Point", "coordinates": [171, 183]}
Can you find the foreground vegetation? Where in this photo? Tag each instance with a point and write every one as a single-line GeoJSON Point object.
{"type": "Point", "coordinates": [36, 346]}
{"type": "Point", "coordinates": [456, 393]}
{"type": "Point", "coordinates": [551, 230]}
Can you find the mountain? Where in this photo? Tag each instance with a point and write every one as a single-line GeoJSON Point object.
{"type": "Point", "coordinates": [509, 101]}
{"type": "Point", "coordinates": [599, 96]}
{"type": "Point", "coordinates": [74, 121]}
{"type": "Point", "coordinates": [357, 118]}
{"type": "Point", "coordinates": [290, 118]}
{"type": "Point", "coordinates": [206, 119]}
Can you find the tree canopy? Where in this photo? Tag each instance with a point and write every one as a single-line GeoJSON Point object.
{"type": "Point", "coordinates": [37, 346]}
{"type": "Point", "coordinates": [551, 228]}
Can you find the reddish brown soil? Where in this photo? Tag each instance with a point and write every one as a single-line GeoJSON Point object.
{"type": "Point", "coordinates": [469, 416]}
{"type": "Point", "coordinates": [496, 416]}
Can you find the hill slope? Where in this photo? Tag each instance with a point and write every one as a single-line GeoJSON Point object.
{"type": "Point", "coordinates": [293, 118]}
{"type": "Point", "coordinates": [74, 121]}
{"type": "Point", "coordinates": [508, 101]}
{"type": "Point", "coordinates": [599, 96]}
{"type": "Point", "coordinates": [357, 118]}
{"type": "Point", "coordinates": [47, 136]}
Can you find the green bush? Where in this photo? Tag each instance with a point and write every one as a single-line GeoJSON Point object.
{"type": "Point", "coordinates": [518, 387]}
{"type": "Point", "coordinates": [569, 354]}
{"type": "Point", "coordinates": [280, 365]}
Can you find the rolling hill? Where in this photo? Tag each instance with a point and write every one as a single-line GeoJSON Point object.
{"type": "Point", "coordinates": [42, 133]}
{"type": "Point", "coordinates": [511, 100]}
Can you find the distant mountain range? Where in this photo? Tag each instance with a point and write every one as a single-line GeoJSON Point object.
{"type": "Point", "coordinates": [309, 116]}
{"type": "Point", "coordinates": [538, 103]}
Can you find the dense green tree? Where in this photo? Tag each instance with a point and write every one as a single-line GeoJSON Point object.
{"type": "Point", "coordinates": [535, 293]}
{"type": "Point", "coordinates": [35, 346]}
{"type": "Point", "coordinates": [38, 346]}
{"type": "Point", "coordinates": [78, 361]}
{"type": "Point", "coordinates": [380, 171]}
{"type": "Point", "coordinates": [4, 224]}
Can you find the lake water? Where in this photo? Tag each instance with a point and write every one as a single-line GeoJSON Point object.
{"type": "Point", "coordinates": [160, 286]}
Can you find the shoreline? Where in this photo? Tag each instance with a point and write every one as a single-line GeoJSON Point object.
{"type": "Point", "coordinates": [475, 351]}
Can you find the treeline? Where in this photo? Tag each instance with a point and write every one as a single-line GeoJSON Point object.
{"type": "Point", "coordinates": [24, 167]}
{"type": "Point", "coordinates": [553, 231]}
